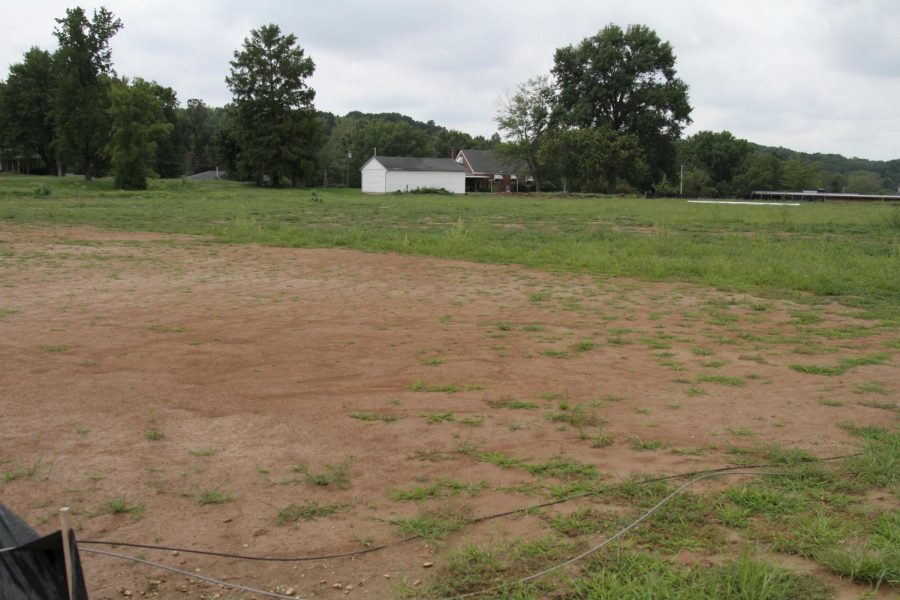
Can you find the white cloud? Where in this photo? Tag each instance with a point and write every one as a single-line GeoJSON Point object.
{"type": "Point", "coordinates": [814, 75]}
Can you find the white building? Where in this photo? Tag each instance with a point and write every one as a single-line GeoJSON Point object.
{"type": "Point", "coordinates": [384, 174]}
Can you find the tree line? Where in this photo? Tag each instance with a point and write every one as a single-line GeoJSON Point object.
{"type": "Point", "coordinates": [609, 117]}
{"type": "Point", "coordinates": [68, 110]}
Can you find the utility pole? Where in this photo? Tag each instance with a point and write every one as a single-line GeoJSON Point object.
{"type": "Point", "coordinates": [349, 156]}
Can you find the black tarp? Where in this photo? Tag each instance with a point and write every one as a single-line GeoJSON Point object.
{"type": "Point", "coordinates": [34, 567]}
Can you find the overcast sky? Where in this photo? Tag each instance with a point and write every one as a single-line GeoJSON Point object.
{"type": "Point", "coordinates": [812, 75]}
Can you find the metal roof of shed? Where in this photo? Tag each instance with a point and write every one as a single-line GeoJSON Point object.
{"type": "Point", "coordinates": [415, 163]}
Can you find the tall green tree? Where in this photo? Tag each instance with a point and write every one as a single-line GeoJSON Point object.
{"type": "Point", "coordinates": [524, 119]}
{"type": "Point", "coordinates": [25, 106]}
{"type": "Point", "coordinates": [83, 64]}
{"type": "Point", "coordinates": [276, 126]}
{"type": "Point", "coordinates": [171, 150]}
{"type": "Point", "coordinates": [138, 126]}
{"type": "Point", "coordinates": [625, 81]}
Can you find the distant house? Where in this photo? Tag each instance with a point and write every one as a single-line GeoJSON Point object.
{"type": "Point", "coordinates": [486, 173]}
{"type": "Point", "coordinates": [384, 174]}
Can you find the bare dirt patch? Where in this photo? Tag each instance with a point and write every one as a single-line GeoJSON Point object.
{"type": "Point", "coordinates": [193, 381]}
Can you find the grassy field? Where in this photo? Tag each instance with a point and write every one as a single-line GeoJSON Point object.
{"type": "Point", "coordinates": [795, 529]}
{"type": "Point", "coordinates": [812, 253]}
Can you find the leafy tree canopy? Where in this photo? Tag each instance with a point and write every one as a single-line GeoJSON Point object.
{"type": "Point", "coordinates": [138, 126]}
{"type": "Point", "coordinates": [625, 80]}
{"type": "Point", "coordinates": [525, 120]}
{"type": "Point", "coordinates": [83, 64]}
{"type": "Point", "coordinates": [25, 106]}
{"type": "Point", "coordinates": [277, 130]}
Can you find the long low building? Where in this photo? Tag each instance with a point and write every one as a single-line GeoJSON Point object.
{"type": "Point", "coordinates": [819, 196]}
{"type": "Point", "coordinates": [385, 174]}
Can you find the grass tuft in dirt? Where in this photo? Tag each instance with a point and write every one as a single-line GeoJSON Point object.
{"type": "Point", "coordinates": [214, 496]}
{"type": "Point", "coordinates": [310, 511]}
{"type": "Point", "coordinates": [337, 476]}
{"type": "Point", "coordinates": [434, 523]}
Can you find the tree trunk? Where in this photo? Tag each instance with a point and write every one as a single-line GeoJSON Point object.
{"type": "Point", "coordinates": [612, 180]}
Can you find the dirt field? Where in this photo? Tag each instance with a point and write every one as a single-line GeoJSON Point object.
{"type": "Point", "coordinates": [188, 379]}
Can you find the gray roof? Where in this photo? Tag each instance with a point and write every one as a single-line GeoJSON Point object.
{"type": "Point", "coordinates": [484, 161]}
{"type": "Point", "coordinates": [415, 163]}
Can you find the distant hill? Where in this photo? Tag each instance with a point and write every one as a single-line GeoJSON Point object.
{"type": "Point", "coordinates": [837, 163]}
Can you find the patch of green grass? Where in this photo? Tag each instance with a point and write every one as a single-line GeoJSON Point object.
{"type": "Point", "coordinates": [555, 353]}
{"type": "Point", "coordinates": [870, 387]}
{"type": "Point", "coordinates": [120, 506]}
{"type": "Point", "coordinates": [475, 568]}
{"type": "Point", "coordinates": [563, 467]}
{"type": "Point", "coordinates": [370, 416]}
{"type": "Point", "coordinates": [761, 499]}
{"type": "Point", "coordinates": [656, 344]}
{"type": "Point", "coordinates": [575, 415]}
{"type": "Point", "coordinates": [584, 346]}
{"type": "Point", "coordinates": [700, 351]}
{"type": "Point", "coordinates": [54, 348]}
{"type": "Point", "coordinates": [879, 464]}
{"type": "Point", "coordinates": [601, 440]}
{"type": "Point", "coordinates": [831, 402]}
{"type": "Point", "coordinates": [310, 511]}
{"type": "Point", "coordinates": [438, 417]}
{"type": "Point", "coordinates": [439, 489]}
{"type": "Point", "coordinates": [879, 404]}
{"type": "Point", "coordinates": [472, 421]}
{"type": "Point", "coordinates": [713, 364]}
{"type": "Point", "coordinates": [504, 461]}
{"type": "Point", "coordinates": [619, 574]}
{"type": "Point", "coordinates": [739, 431]}
{"type": "Point", "coordinates": [332, 475]}
{"type": "Point", "coordinates": [637, 443]}
{"type": "Point", "coordinates": [583, 520]}
{"type": "Point", "coordinates": [800, 317]}
{"type": "Point", "coordinates": [694, 391]}
{"type": "Point", "coordinates": [504, 325]}
{"type": "Point", "coordinates": [720, 379]}
{"type": "Point", "coordinates": [420, 385]}
{"type": "Point", "coordinates": [214, 496]}
{"type": "Point", "coordinates": [872, 566]}
{"type": "Point", "coordinates": [154, 435]}
{"type": "Point", "coordinates": [512, 403]}
{"type": "Point", "coordinates": [757, 358]}
{"type": "Point", "coordinates": [432, 362]}
{"type": "Point", "coordinates": [844, 365]}
{"type": "Point", "coordinates": [434, 523]}
{"type": "Point", "coordinates": [203, 452]}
